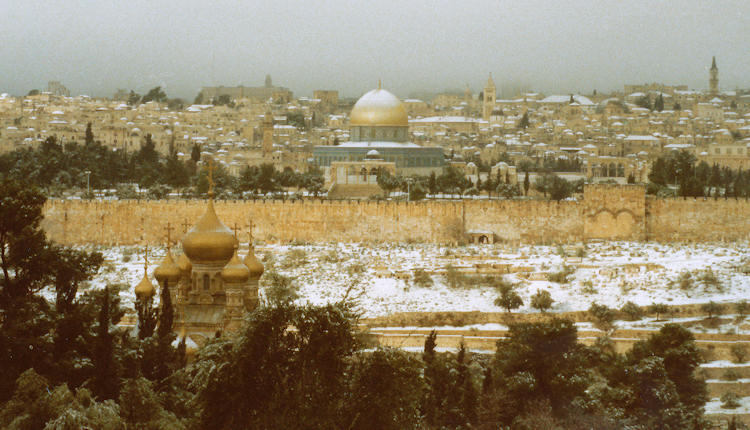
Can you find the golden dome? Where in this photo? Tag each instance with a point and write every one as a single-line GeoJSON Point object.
{"type": "Point", "coordinates": [209, 240]}
{"type": "Point", "coordinates": [167, 270]}
{"type": "Point", "coordinates": [252, 263]}
{"type": "Point", "coordinates": [379, 108]}
{"type": "Point", "coordinates": [183, 262]}
{"type": "Point", "coordinates": [145, 289]}
{"type": "Point", "coordinates": [235, 271]}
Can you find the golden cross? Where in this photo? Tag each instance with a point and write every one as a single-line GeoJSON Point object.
{"type": "Point", "coordinates": [210, 176]}
{"type": "Point", "coordinates": [250, 226]}
{"type": "Point", "coordinates": [169, 229]}
{"type": "Point", "coordinates": [185, 226]}
{"type": "Point", "coordinates": [236, 227]}
{"type": "Point", "coordinates": [380, 85]}
{"type": "Point", "coordinates": [145, 260]}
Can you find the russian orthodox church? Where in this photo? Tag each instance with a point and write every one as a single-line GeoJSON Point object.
{"type": "Point", "coordinates": [210, 286]}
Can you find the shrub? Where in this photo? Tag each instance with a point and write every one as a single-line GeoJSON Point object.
{"type": "Point", "coordinates": [603, 316]}
{"type": "Point", "coordinates": [730, 401]}
{"type": "Point", "coordinates": [295, 258]}
{"type": "Point", "coordinates": [422, 278]}
{"type": "Point", "coordinates": [542, 300]}
{"type": "Point", "coordinates": [453, 278]}
{"type": "Point", "coordinates": [739, 352]}
{"type": "Point", "coordinates": [713, 309]}
{"type": "Point", "coordinates": [561, 277]}
{"type": "Point", "coordinates": [331, 256]}
{"type": "Point", "coordinates": [684, 282]}
{"type": "Point", "coordinates": [355, 269]}
{"type": "Point", "coordinates": [509, 299]}
{"type": "Point", "coordinates": [709, 279]}
{"type": "Point", "coordinates": [279, 288]}
{"type": "Point", "coordinates": [731, 375]}
{"type": "Point", "coordinates": [588, 287]}
{"type": "Point", "coordinates": [741, 308]}
{"type": "Point", "coordinates": [658, 309]}
{"type": "Point", "coordinates": [633, 311]}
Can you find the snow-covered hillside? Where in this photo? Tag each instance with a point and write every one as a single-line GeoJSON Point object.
{"type": "Point", "coordinates": [380, 276]}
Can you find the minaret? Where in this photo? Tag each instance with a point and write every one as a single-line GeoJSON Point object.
{"type": "Point", "coordinates": [267, 133]}
{"type": "Point", "coordinates": [488, 99]}
{"type": "Point", "coordinates": [713, 81]}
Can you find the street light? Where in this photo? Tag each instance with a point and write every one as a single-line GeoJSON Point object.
{"type": "Point", "coordinates": [408, 189]}
{"type": "Point", "coordinates": [88, 183]}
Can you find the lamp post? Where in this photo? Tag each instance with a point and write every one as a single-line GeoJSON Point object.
{"type": "Point", "coordinates": [88, 183]}
{"type": "Point", "coordinates": [408, 189]}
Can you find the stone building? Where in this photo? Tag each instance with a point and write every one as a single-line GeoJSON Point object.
{"type": "Point", "coordinates": [379, 121]}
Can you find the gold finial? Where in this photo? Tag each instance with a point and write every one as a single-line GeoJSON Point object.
{"type": "Point", "coordinates": [211, 168]}
{"type": "Point", "coordinates": [380, 85]}
{"type": "Point", "coordinates": [250, 226]}
{"type": "Point", "coordinates": [236, 228]}
{"type": "Point", "coordinates": [145, 260]}
{"type": "Point", "coordinates": [169, 229]}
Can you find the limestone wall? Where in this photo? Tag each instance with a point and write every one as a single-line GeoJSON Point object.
{"type": "Point", "coordinates": [697, 220]}
{"type": "Point", "coordinates": [606, 212]}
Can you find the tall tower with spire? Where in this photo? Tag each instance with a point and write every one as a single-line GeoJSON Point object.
{"type": "Point", "coordinates": [267, 133]}
{"type": "Point", "coordinates": [713, 81]}
{"type": "Point", "coordinates": [488, 98]}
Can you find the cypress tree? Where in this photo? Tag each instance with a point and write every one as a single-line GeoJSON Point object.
{"type": "Point", "coordinates": [105, 373]}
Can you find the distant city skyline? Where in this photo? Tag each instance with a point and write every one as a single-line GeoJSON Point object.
{"type": "Point", "coordinates": [563, 47]}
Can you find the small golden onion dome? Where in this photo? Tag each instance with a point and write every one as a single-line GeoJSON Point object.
{"type": "Point", "coordinates": [252, 263]}
{"type": "Point", "coordinates": [184, 264]}
{"type": "Point", "coordinates": [209, 240]}
{"type": "Point", "coordinates": [379, 108]}
{"type": "Point", "coordinates": [145, 289]}
{"type": "Point", "coordinates": [167, 270]}
{"type": "Point", "coordinates": [235, 271]}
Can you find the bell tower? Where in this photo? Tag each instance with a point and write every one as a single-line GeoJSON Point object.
{"type": "Point", "coordinates": [267, 133]}
{"type": "Point", "coordinates": [713, 81]}
{"type": "Point", "coordinates": [488, 99]}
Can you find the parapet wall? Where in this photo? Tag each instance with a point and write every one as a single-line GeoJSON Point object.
{"type": "Point", "coordinates": [606, 212]}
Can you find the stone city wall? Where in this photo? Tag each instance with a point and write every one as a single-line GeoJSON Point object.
{"type": "Point", "coordinates": [605, 212]}
{"type": "Point", "coordinates": [697, 220]}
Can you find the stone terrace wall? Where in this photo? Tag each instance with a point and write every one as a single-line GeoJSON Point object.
{"type": "Point", "coordinates": [697, 220]}
{"type": "Point", "coordinates": [130, 222]}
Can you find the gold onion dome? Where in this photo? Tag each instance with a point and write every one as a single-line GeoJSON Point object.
{"type": "Point", "coordinates": [379, 108]}
{"type": "Point", "coordinates": [254, 266]}
{"type": "Point", "coordinates": [184, 263]}
{"type": "Point", "coordinates": [167, 270]}
{"type": "Point", "coordinates": [209, 240]}
{"type": "Point", "coordinates": [235, 271]}
{"type": "Point", "coordinates": [145, 289]}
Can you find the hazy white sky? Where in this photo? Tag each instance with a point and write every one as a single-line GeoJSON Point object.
{"type": "Point", "coordinates": [96, 46]}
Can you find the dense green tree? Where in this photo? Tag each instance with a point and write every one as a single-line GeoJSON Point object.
{"type": "Point", "coordinates": [523, 123]}
{"type": "Point", "coordinates": [542, 300]}
{"type": "Point", "coordinates": [526, 184]}
{"type": "Point", "coordinates": [542, 361]}
{"type": "Point", "coordinates": [155, 94]}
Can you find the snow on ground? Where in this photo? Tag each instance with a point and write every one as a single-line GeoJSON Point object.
{"type": "Point", "coordinates": [379, 276]}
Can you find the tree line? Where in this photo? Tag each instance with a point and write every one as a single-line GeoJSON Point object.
{"type": "Point", "coordinates": [680, 169]}
{"type": "Point", "coordinates": [57, 168]}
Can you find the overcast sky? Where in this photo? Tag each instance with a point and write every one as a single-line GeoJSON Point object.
{"type": "Point", "coordinates": [97, 46]}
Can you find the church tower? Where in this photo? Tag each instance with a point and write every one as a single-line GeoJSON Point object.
{"type": "Point", "coordinates": [713, 81]}
{"type": "Point", "coordinates": [488, 99]}
{"type": "Point", "coordinates": [267, 133]}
